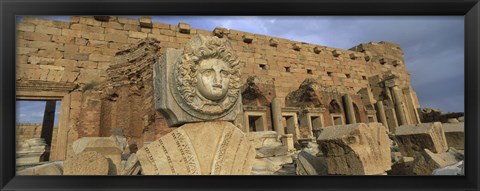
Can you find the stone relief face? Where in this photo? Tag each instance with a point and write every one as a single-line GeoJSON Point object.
{"type": "Point", "coordinates": [213, 78]}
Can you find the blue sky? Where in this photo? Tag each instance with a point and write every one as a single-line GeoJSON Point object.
{"type": "Point", "coordinates": [433, 45]}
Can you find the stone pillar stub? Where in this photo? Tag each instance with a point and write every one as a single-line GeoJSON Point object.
{"type": "Point", "coordinates": [349, 112]}
{"type": "Point", "coordinates": [381, 114]}
{"type": "Point", "coordinates": [277, 116]}
{"type": "Point", "coordinates": [193, 86]}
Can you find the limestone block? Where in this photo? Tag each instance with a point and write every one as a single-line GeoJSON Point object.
{"type": "Point", "coordinates": [264, 166]}
{"type": "Point", "coordinates": [247, 38]}
{"type": "Point", "coordinates": [145, 22]}
{"type": "Point", "coordinates": [356, 149]}
{"type": "Point", "coordinates": [412, 139]}
{"type": "Point", "coordinates": [296, 47]}
{"type": "Point", "coordinates": [317, 50]}
{"type": "Point", "coordinates": [287, 140]}
{"type": "Point", "coordinates": [455, 135]}
{"type": "Point", "coordinates": [184, 28]}
{"type": "Point", "coordinates": [86, 163]}
{"type": "Point", "coordinates": [273, 42]}
{"type": "Point", "coordinates": [220, 32]}
{"type": "Point", "coordinates": [427, 161]}
{"type": "Point", "coordinates": [53, 168]}
{"type": "Point", "coordinates": [204, 148]}
{"type": "Point", "coordinates": [270, 151]}
{"type": "Point", "coordinates": [107, 146]}
{"type": "Point", "coordinates": [308, 164]}
{"type": "Point", "coordinates": [262, 138]}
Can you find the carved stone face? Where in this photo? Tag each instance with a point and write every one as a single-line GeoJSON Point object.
{"type": "Point", "coordinates": [213, 79]}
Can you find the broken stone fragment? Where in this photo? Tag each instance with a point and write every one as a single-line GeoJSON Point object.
{"type": "Point", "coordinates": [356, 149]}
{"type": "Point", "coordinates": [308, 164]}
{"type": "Point", "coordinates": [427, 161]}
{"type": "Point", "coordinates": [86, 163]}
{"type": "Point", "coordinates": [455, 135]}
{"type": "Point", "coordinates": [413, 139]}
{"type": "Point", "coordinates": [107, 146]}
{"type": "Point", "coordinates": [52, 168]}
{"type": "Point", "coordinates": [204, 148]}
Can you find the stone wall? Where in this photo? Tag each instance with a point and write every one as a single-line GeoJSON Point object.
{"type": "Point", "coordinates": [78, 62]}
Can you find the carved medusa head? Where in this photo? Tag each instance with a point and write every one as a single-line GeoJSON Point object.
{"type": "Point", "coordinates": [208, 75]}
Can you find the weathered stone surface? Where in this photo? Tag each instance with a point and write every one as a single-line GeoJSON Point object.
{"type": "Point", "coordinates": [53, 168]}
{"type": "Point", "coordinates": [356, 149]}
{"type": "Point", "coordinates": [107, 146]}
{"type": "Point", "coordinates": [213, 96]}
{"type": "Point", "coordinates": [86, 163]}
{"type": "Point", "coordinates": [206, 148]}
{"type": "Point", "coordinates": [402, 166]}
{"type": "Point", "coordinates": [309, 164]}
{"type": "Point", "coordinates": [427, 161]}
{"type": "Point", "coordinates": [30, 151]}
{"type": "Point", "coordinates": [455, 135]}
{"type": "Point", "coordinates": [131, 166]}
{"type": "Point", "coordinates": [412, 139]}
{"type": "Point", "coordinates": [455, 169]}
{"type": "Point", "coordinates": [263, 138]}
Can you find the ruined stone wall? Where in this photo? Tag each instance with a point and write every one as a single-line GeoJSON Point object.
{"type": "Point", "coordinates": [78, 53]}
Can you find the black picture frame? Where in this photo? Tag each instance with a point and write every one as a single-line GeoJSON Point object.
{"type": "Point", "coordinates": [9, 9]}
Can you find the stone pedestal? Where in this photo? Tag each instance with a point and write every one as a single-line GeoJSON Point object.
{"type": "Point", "coordinates": [205, 148]}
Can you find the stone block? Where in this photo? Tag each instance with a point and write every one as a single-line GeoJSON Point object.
{"type": "Point", "coordinates": [86, 163]}
{"type": "Point", "coordinates": [205, 148]}
{"type": "Point", "coordinates": [427, 161]}
{"type": "Point", "coordinates": [308, 164]}
{"type": "Point", "coordinates": [49, 169]}
{"type": "Point", "coordinates": [107, 146]}
{"type": "Point", "coordinates": [184, 28]}
{"type": "Point", "coordinates": [25, 27]}
{"type": "Point", "coordinates": [34, 36]}
{"type": "Point", "coordinates": [48, 30]}
{"type": "Point", "coordinates": [356, 149]}
{"type": "Point", "coordinates": [273, 42]}
{"type": "Point", "coordinates": [247, 38]}
{"type": "Point", "coordinates": [145, 22]}
{"type": "Point", "coordinates": [412, 139]}
{"type": "Point", "coordinates": [455, 135]}
{"type": "Point", "coordinates": [261, 138]}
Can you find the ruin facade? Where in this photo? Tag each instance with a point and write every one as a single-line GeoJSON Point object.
{"type": "Point", "coordinates": [101, 68]}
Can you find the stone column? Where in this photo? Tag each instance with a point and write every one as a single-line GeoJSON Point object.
{"type": "Point", "coordinates": [277, 116]}
{"type": "Point", "coordinates": [402, 119]}
{"type": "Point", "coordinates": [349, 111]}
{"type": "Point", "coordinates": [60, 151]}
{"type": "Point", "coordinates": [381, 113]}
{"type": "Point", "coordinates": [48, 122]}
